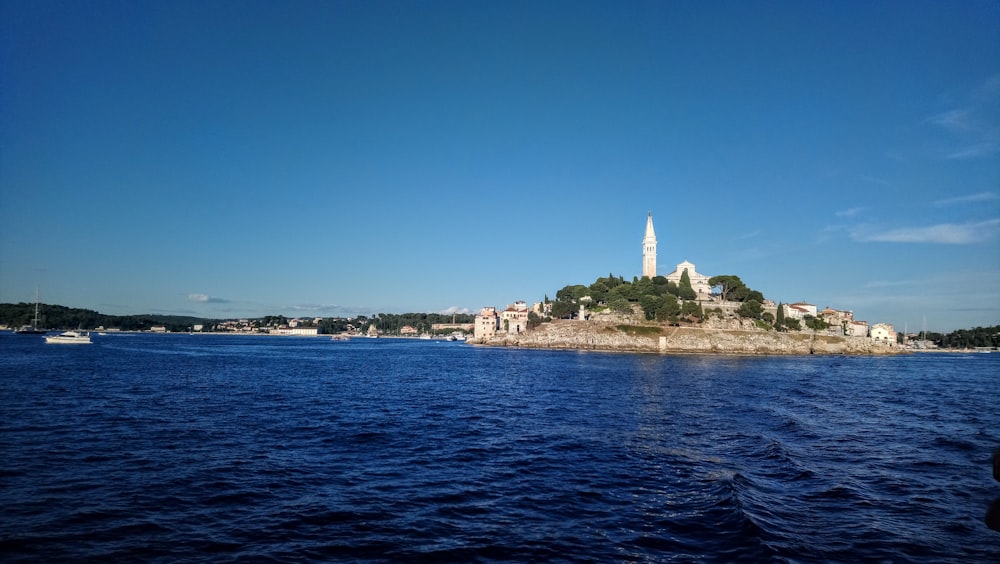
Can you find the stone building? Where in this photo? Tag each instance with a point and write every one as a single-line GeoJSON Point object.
{"type": "Point", "coordinates": [799, 310]}
{"type": "Point", "coordinates": [514, 319]}
{"type": "Point", "coordinates": [856, 329]}
{"type": "Point", "coordinates": [649, 249]}
{"type": "Point", "coordinates": [699, 282]}
{"type": "Point", "coordinates": [487, 323]}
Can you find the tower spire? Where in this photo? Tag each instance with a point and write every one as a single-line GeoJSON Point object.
{"type": "Point", "coordinates": [649, 249]}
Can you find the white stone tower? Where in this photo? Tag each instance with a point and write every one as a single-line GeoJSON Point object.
{"type": "Point", "coordinates": [649, 249]}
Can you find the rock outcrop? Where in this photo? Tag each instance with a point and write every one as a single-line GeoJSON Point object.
{"type": "Point", "coordinates": [738, 339]}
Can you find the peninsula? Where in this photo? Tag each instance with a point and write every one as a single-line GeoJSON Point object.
{"type": "Point", "coordinates": [682, 312]}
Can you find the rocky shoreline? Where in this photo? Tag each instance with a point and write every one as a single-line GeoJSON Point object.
{"type": "Point", "coordinates": [711, 338]}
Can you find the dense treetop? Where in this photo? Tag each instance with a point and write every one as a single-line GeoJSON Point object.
{"type": "Point", "coordinates": [659, 298]}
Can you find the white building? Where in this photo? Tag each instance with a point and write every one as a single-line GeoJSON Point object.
{"type": "Point", "coordinates": [699, 282]}
{"type": "Point", "coordinates": [856, 329]}
{"type": "Point", "coordinates": [297, 330]}
{"type": "Point", "coordinates": [884, 334]}
{"type": "Point", "coordinates": [514, 319]}
{"type": "Point", "coordinates": [799, 310]}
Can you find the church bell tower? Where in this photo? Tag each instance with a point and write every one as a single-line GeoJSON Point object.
{"type": "Point", "coordinates": [649, 249]}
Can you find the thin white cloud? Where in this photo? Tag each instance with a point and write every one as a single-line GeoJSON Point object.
{"type": "Point", "coordinates": [745, 236]}
{"type": "Point", "coordinates": [875, 180]}
{"type": "Point", "coordinates": [944, 233]}
{"type": "Point", "coordinates": [989, 90]}
{"type": "Point", "coordinates": [205, 299]}
{"type": "Point", "coordinates": [970, 130]}
{"type": "Point", "coordinates": [953, 120]}
{"type": "Point", "coordinates": [455, 310]}
{"type": "Point", "coordinates": [850, 212]}
{"type": "Point", "coordinates": [889, 283]}
{"type": "Point", "coordinates": [967, 199]}
{"type": "Point", "coordinates": [975, 151]}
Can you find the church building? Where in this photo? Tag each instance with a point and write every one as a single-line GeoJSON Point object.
{"type": "Point", "coordinates": [699, 282]}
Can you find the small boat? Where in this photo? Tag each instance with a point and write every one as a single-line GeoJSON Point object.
{"type": "Point", "coordinates": [32, 329]}
{"type": "Point", "coordinates": [69, 338]}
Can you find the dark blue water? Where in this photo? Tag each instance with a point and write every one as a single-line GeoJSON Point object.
{"type": "Point", "coordinates": [215, 448]}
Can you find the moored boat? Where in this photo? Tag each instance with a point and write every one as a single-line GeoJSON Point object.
{"type": "Point", "coordinates": [32, 329]}
{"type": "Point", "coordinates": [69, 338]}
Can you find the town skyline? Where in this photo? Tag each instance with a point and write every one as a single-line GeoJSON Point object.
{"type": "Point", "coordinates": [247, 159]}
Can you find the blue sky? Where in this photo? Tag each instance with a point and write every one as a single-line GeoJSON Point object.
{"type": "Point", "coordinates": [227, 159]}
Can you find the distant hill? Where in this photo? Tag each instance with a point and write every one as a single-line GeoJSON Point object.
{"type": "Point", "coordinates": [62, 317]}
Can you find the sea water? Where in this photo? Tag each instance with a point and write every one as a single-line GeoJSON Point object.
{"type": "Point", "coordinates": [164, 448]}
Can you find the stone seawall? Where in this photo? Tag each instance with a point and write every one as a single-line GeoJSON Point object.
{"type": "Point", "coordinates": [605, 336]}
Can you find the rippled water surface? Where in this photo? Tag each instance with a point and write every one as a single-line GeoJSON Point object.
{"type": "Point", "coordinates": [217, 448]}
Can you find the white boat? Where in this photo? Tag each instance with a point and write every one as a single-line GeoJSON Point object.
{"type": "Point", "coordinates": [32, 329]}
{"type": "Point", "coordinates": [69, 338]}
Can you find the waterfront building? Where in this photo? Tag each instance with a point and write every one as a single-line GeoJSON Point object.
{"type": "Point", "coordinates": [883, 333]}
{"type": "Point", "coordinates": [296, 330]}
{"type": "Point", "coordinates": [856, 329]}
{"type": "Point", "coordinates": [514, 319]}
{"type": "Point", "coordinates": [649, 249]}
{"type": "Point", "coordinates": [487, 323]}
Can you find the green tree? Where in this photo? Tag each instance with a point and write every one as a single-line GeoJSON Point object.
{"type": "Point", "coordinates": [650, 305]}
{"type": "Point", "coordinates": [816, 323]}
{"type": "Point", "coordinates": [673, 289]}
{"type": "Point", "coordinates": [779, 321]}
{"type": "Point", "coordinates": [572, 292]}
{"type": "Point", "coordinates": [686, 291]}
{"type": "Point", "coordinates": [751, 309]}
{"type": "Point", "coordinates": [642, 287]}
{"type": "Point", "coordinates": [669, 309]}
{"type": "Point", "coordinates": [726, 284]}
{"type": "Point", "coordinates": [533, 320]}
{"type": "Point", "coordinates": [599, 291]}
{"type": "Point", "coordinates": [563, 309]}
{"type": "Point", "coordinates": [691, 309]}
{"type": "Point", "coordinates": [620, 305]}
